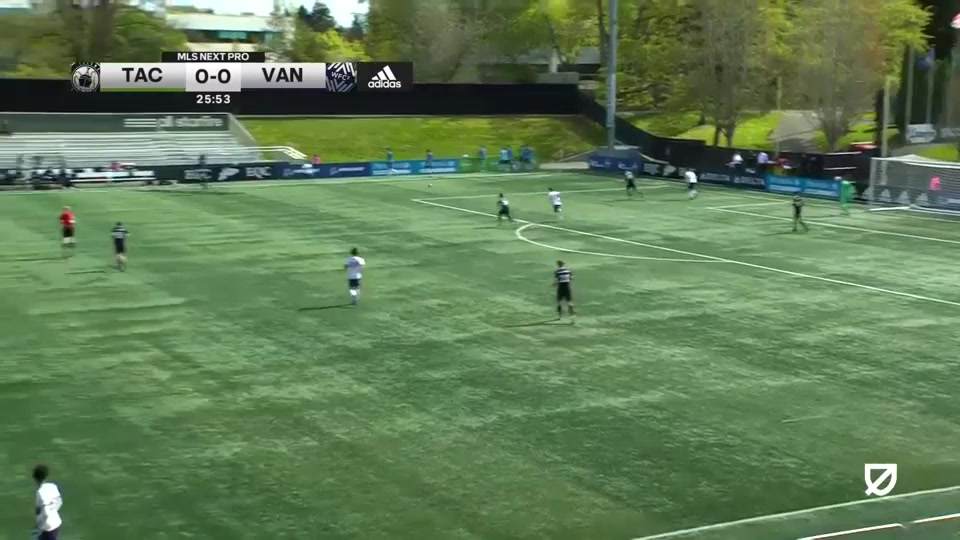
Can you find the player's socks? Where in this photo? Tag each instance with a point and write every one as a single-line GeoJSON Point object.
{"type": "Point", "coordinates": [354, 296]}
{"type": "Point", "coordinates": [559, 311]}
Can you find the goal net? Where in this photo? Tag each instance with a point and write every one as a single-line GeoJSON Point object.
{"type": "Point", "coordinates": [914, 183]}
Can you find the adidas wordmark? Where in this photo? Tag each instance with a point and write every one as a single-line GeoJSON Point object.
{"type": "Point", "coordinates": [384, 79]}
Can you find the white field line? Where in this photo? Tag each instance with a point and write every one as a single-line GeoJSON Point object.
{"type": "Point", "coordinates": [710, 257]}
{"type": "Point", "coordinates": [855, 531]}
{"type": "Point", "coordinates": [750, 205]}
{"type": "Point", "coordinates": [888, 208]}
{"type": "Point", "coordinates": [883, 527]}
{"type": "Point", "coordinates": [520, 236]}
{"type": "Point", "coordinates": [280, 183]}
{"type": "Point", "coordinates": [837, 226]}
{"type": "Point", "coordinates": [883, 210]}
{"type": "Point", "coordinates": [487, 196]}
{"type": "Point", "coordinates": [934, 519]}
{"type": "Point", "coordinates": [795, 513]}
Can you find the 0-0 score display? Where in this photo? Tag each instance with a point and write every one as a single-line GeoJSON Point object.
{"type": "Point", "coordinates": [225, 73]}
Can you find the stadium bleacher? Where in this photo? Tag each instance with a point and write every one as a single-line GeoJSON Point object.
{"type": "Point", "coordinates": [100, 149]}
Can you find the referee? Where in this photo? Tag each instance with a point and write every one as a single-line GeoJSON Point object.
{"type": "Point", "coordinates": [563, 281]}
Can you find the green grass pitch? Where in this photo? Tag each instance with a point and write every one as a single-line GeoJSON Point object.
{"type": "Point", "coordinates": [721, 368]}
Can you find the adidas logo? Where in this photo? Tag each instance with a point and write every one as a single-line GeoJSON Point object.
{"type": "Point", "coordinates": [384, 79]}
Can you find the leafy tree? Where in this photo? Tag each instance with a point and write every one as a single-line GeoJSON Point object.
{"type": "Point", "coordinates": [320, 19]}
{"type": "Point", "coordinates": [303, 15]}
{"type": "Point", "coordinates": [727, 74]}
{"type": "Point", "coordinates": [357, 29]}
{"type": "Point", "coordinates": [845, 49]}
{"type": "Point", "coordinates": [652, 55]}
{"type": "Point", "coordinates": [133, 36]}
{"type": "Point", "coordinates": [439, 36]}
{"type": "Point", "coordinates": [338, 48]}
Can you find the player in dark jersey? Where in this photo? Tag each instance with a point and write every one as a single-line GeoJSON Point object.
{"type": "Point", "coordinates": [563, 281]}
{"type": "Point", "coordinates": [631, 184]}
{"type": "Point", "coordinates": [503, 209]}
{"type": "Point", "coordinates": [798, 214]}
{"type": "Point", "coordinates": [119, 234]}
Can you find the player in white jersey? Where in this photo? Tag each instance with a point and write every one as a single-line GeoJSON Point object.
{"type": "Point", "coordinates": [354, 268]}
{"type": "Point", "coordinates": [555, 201]}
{"type": "Point", "coordinates": [691, 178]}
{"type": "Point", "coordinates": [48, 505]}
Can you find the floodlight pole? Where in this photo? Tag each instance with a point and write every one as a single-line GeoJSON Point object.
{"type": "Point", "coordinates": [612, 78]}
{"type": "Point", "coordinates": [885, 117]}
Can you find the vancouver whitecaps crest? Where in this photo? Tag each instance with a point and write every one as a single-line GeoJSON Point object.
{"type": "Point", "coordinates": [341, 76]}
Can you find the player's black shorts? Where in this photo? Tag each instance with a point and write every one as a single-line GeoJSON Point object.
{"type": "Point", "coordinates": [631, 184]}
{"type": "Point", "coordinates": [505, 162]}
{"type": "Point", "coordinates": [797, 213]}
{"type": "Point", "coordinates": [691, 186]}
{"type": "Point", "coordinates": [504, 212]}
{"type": "Point", "coordinates": [119, 246]}
{"type": "Point", "coordinates": [557, 208]}
{"type": "Point", "coordinates": [564, 293]}
{"type": "Point", "coordinates": [68, 232]}
{"type": "Point", "coordinates": [49, 535]}
{"type": "Point", "coordinates": [353, 283]}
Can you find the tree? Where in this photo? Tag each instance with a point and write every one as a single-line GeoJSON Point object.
{"type": "Point", "coordinates": [556, 29]}
{"type": "Point", "coordinates": [319, 19]}
{"type": "Point", "coordinates": [357, 28]}
{"type": "Point", "coordinates": [727, 74]}
{"type": "Point", "coordinates": [652, 55]}
{"type": "Point", "coordinates": [134, 36]}
{"type": "Point", "coordinates": [437, 35]}
{"type": "Point", "coordinates": [845, 49]}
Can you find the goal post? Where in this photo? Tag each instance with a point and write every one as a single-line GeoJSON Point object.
{"type": "Point", "coordinates": [914, 183]}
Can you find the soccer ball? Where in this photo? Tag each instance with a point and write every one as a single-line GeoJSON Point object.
{"type": "Point", "coordinates": [429, 185]}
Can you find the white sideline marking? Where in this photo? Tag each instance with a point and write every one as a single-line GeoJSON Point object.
{"type": "Point", "coordinates": [855, 531]}
{"type": "Point", "coordinates": [888, 208]}
{"type": "Point", "coordinates": [837, 226]}
{"type": "Point", "coordinates": [708, 257]}
{"type": "Point", "coordinates": [795, 513]}
{"type": "Point", "coordinates": [883, 527]}
{"type": "Point", "coordinates": [805, 418]}
{"type": "Point", "coordinates": [520, 236]}
{"type": "Point", "coordinates": [750, 205]}
{"type": "Point", "coordinates": [487, 196]}
{"type": "Point", "coordinates": [934, 519]}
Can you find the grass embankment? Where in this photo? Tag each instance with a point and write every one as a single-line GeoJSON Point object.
{"type": "Point", "coordinates": [943, 152]}
{"type": "Point", "coordinates": [754, 131]}
{"type": "Point", "coordinates": [364, 139]}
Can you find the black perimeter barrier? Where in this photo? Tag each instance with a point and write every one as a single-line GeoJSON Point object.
{"type": "Point", "coordinates": [57, 96]}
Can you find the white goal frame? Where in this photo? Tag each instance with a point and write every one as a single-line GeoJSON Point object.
{"type": "Point", "coordinates": [904, 183]}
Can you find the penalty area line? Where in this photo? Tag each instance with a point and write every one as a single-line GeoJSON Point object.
{"type": "Point", "coordinates": [795, 513]}
{"type": "Point", "coordinates": [708, 257]}
{"type": "Point", "coordinates": [519, 234]}
{"type": "Point", "coordinates": [837, 226]}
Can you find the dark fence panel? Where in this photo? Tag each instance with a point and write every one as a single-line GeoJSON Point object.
{"type": "Point", "coordinates": [33, 95]}
{"type": "Point", "coordinates": [625, 132]}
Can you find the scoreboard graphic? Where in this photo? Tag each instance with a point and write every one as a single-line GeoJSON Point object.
{"type": "Point", "coordinates": [235, 72]}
